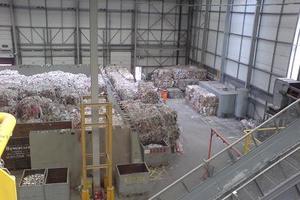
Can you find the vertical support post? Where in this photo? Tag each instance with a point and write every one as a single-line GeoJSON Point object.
{"type": "Point", "coordinates": [194, 29]}
{"type": "Point", "coordinates": [106, 35]}
{"type": "Point", "coordinates": [210, 144]}
{"type": "Point", "coordinates": [226, 39]}
{"type": "Point", "coordinates": [94, 90]}
{"type": "Point", "coordinates": [255, 31]}
{"type": "Point", "coordinates": [161, 30]}
{"type": "Point", "coordinates": [205, 31]}
{"type": "Point", "coordinates": [14, 32]}
{"type": "Point", "coordinates": [48, 38]}
{"type": "Point", "coordinates": [85, 191]}
{"type": "Point", "coordinates": [134, 39]}
{"type": "Point", "coordinates": [179, 33]}
{"type": "Point", "coordinates": [189, 30]}
{"type": "Point", "coordinates": [110, 188]}
{"type": "Point", "coordinates": [78, 60]}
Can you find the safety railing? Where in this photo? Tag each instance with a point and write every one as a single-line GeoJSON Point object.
{"type": "Point", "coordinates": [211, 167]}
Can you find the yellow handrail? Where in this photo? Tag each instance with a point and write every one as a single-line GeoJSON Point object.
{"type": "Point", "coordinates": [248, 140]}
{"type": "Point", "coordinates": [7, 125]}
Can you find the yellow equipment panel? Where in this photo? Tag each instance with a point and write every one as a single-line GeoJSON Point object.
{"type": "Point", "coordinates": [8, 189]}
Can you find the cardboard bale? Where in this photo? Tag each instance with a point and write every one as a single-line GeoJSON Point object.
{"type": "Point", "coordinates": [148, 93]}
{"type": "Point", "coordinates": [153, 122]}
{"type": "Point", "coordinates": [167, 77]}
{"type": "Point", "coordinates": [163, 78]}
{"type": "Point", "coordinates": [51, 96]}
{"type": "Point", "coordinates": [201, 100]}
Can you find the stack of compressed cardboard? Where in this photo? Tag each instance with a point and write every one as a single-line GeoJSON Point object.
{"type": "Point", "coordinates": [51, 96]}
{"type": "Point", "coordinates": [178, 76]}
{"type": "Point", "coordinates": [202, 101]}
{"type": "Point", "coordinates": [153, 122]}
{"type": "Point", "coordinates": [148, 93]}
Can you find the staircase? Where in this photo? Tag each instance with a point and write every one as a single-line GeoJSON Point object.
{"type": "Point", "coordinates": [269, 170]}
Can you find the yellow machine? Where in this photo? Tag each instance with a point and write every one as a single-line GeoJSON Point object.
{"type": "Point", "coordinates": [8, 190]}
{"type": "Point", "coordinates": [104, 121]}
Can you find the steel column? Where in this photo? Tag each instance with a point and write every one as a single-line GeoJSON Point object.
{"type": "Point", "coordinates": [189, 30]}
{"type": "Point", "coordinates": [78, 58]}
{"type": "Point", "coordinates": [255, 32]}
{"type": "Point", "coordinates": [14, 32]}
{"type": "Point", "coordinates": [205, 32]}
{"type": "Point", "coordinates": [179, 33]}
{"type": "Point", "coordinates": [226, 38]}
{"type": "Point", "coordinates": [134, 38]}
{"type": "Point", "coordinates": [94, 89]}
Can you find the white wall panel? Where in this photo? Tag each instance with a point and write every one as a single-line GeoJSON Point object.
{"type": "Point", "coordinates": [4, 16]}
{"type": "Point", "coordinates": [68, 3]}
{"type": "Point", "coordinates": [264, 55]}
{"type": "Point", "coordinates": [260, 80]}
{"type": "Point", "coordinates": [239, 8]}
{"type": "Point", "coordinates": [245, 50]}
{"type": "Point", "coordinates": [272, 8]}
{"type": "Point", "coordinates": [248, 27]}
{"type": "Point", "coordinates": [33, 60]}
{"type": "Point", "coordinates": [54, 18]}
{"type": "Point", "coordinates": [68, 19]}
{"type": "Point", "coordinates": [101, 19]}
{"type": "Point", "coordinates": [20, 2]}
{"type": "Point", "coordinates": [287, 28]}
{"type": "Point", "coordinates": [5, 38]}
{"type": "Point", "coordinates": [269, 25]}
{"type": "Point", "coordinates": [39, 3]}
{"type": "Point", "coordinates": [38, 18]}
{"type": "Point", "coordinates": [213, 23]}
{"type": "Point", "coordinates": [222, 21]}
{"type": "Point", "coordinates": [53, 3]}
{"type": "Point", "coordinates": [84, 4]}
{"type": "Point", "coordinates": [127, 20]}
{"type": "Point", "coordinates": [84, 19]}
{"type": "Point", "coordinates": [220, 43]}
{"type": "Point", "coordinates": [212, 38]}
{"type": "Point", "coordinates": [231, 68]}
{"type": "Point", "coordinates": [292, 8]}
{"type": "Point", "coordinates": [282, 58]}
{"type": "Point", "coordinates": [218, 62]}
{"type": "Point", "coordinates": [233, 47]}
{"type": "Point", "coordinates": [237, 23]}
{"type": "Point", "coordinates": [209, 60]}
{"type": "Point", "coordinates": [22, 17]}
{"type": "Point", "coordinates": [63, 60]}
{"type": "Point", "coordinates": [242, 74]}
{"type": "Point", "coordinates": [114, 20]}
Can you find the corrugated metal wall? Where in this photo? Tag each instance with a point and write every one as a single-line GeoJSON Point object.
{"type": "Point", "coordinates": [46, 31]}
{"type": "Point", "coordinates": [276, 25]}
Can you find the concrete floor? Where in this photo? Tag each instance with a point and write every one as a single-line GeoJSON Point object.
{"type": "Point", "coordinates": [195, 139]}
{"type": "Point", "coordinates": [195, 136]}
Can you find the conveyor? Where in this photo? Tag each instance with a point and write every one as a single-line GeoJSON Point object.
{"type": "Point", "coordinates": [270, 169]}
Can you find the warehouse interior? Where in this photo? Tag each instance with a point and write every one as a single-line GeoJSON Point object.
{"type": "Point", "coordinates": [149, 99]}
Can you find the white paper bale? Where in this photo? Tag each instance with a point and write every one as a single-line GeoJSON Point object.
{"type": "Point", "coordinates": [203, 101]}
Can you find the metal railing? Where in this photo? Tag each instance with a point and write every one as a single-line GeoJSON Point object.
{"type": "Point", "coordinates": [224, 158]}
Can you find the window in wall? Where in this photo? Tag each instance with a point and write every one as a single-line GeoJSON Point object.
{"type": "Point", "coordinates": [293, 71]}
